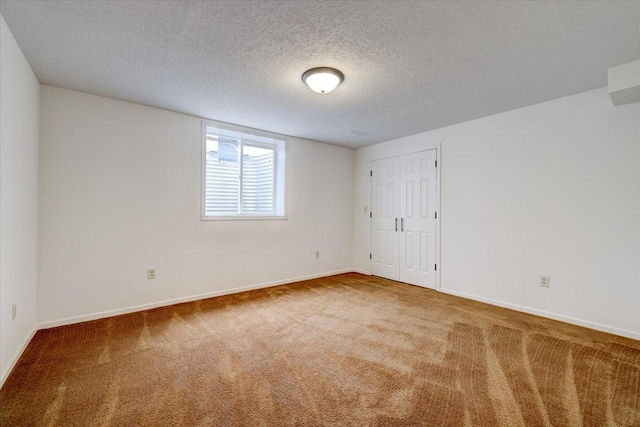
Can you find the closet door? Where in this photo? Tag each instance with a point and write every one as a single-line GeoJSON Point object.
{"type": "Point", "coordinates": [385, 215]}
{"type": "Point", "coordinates": [418, 204]}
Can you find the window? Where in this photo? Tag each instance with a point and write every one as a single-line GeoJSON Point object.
{"type": "Point", "coordinates": [243, 175]}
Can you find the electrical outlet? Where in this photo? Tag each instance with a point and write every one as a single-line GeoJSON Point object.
{"type": "Point", "coordinates": [366, 209]}
{"type": "Point", "coordinates": [544, 281]}
{"type": "Point", "coordinates": [151, 273]}
{"type": "Point", "coordinates": [14, 310]}
{"type": "Point", "coordinates": [317, 254]}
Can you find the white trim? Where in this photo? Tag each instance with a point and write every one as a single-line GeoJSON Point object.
{"type": "Point", "coordinates": [242, 218]}
{"type": "Point", "coordinates": [17, 356]}
{"type": "Point", "coordinates": [276, 142]}
{"type": "Point", "coordinates": [542, 313]}
{"type": "Point", "coordinates": [203, 169]}
{"type": "Point", "coordinates": [370, 227]}
{"type": "Point", "coordinates": [439, 209]}
{"type": "Point", "coordinates": [142, 307]}
{"type": "Point", "coordinates": [357, 270]}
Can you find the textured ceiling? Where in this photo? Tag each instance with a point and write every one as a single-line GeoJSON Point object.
{"type": "Point", "coordinates": [409, 66]}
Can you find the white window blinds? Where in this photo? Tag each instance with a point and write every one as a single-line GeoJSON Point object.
{"type": "Point", "coordinates": [222, 180]}
{"type": "Point", "coordinates": [258, 180]}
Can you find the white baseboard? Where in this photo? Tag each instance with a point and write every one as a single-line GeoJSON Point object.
{"type": "Point", "coordinates": [16, 357]}
{"type": "Point", "coordinates": [142, 307]}
{"type": "Point", "coordinates": [357, 270]}
{"type": "Point", "coordinates": [542, 313]}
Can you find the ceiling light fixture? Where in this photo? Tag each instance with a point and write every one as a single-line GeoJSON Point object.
{"type": "Point", "coordinates": [322, 79]}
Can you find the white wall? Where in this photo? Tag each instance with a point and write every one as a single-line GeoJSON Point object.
{"type": "Point", "coordinates": [552, 189]}
{"type": "Point", "coordinates": [19, 98]}
{"type": "Point", "coordinates": [120, 193]}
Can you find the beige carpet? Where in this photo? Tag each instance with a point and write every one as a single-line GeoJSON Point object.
{"type": "Point", "coordinates": [347, 350]}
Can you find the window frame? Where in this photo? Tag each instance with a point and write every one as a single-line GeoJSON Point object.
{"type": "Point", "coordinates": [280, 148]}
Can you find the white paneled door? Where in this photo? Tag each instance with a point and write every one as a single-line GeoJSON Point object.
{"type": "Point", "coordinates": [404, 215]}
{"type": "Point", "coordinates": [385, 217]}
{"type": "Point", "coordinates": [418, 218]}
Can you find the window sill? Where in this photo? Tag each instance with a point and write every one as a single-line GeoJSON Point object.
{"type": "Point", "coordinates": [242, 218]}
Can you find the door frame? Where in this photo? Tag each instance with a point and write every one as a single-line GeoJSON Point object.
{"type": "Point", "coordinates": [426, 147]}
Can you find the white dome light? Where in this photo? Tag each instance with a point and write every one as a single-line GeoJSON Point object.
{"type": "Point", "coordinates": [322, 79]}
